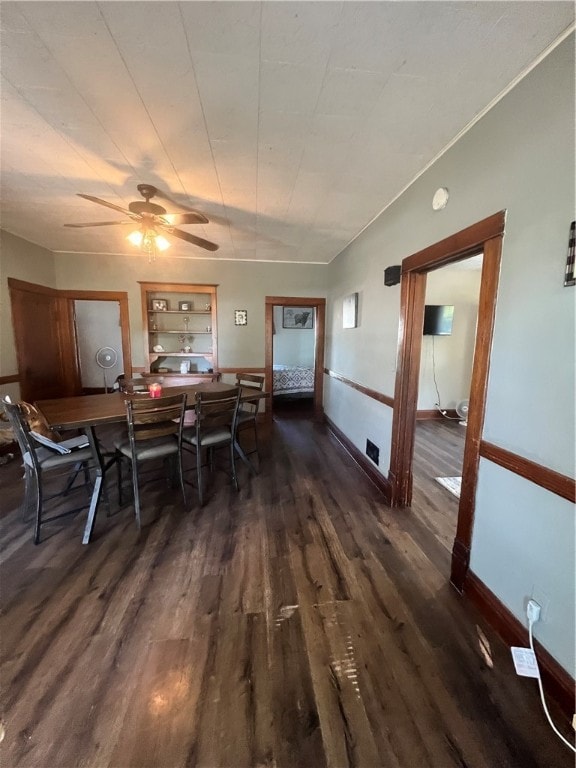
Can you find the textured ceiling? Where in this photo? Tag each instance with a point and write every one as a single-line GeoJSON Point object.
{"type": "Point", "coordinates": [290, 125]}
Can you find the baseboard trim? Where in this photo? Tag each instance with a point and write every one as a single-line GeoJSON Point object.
{"type": "Point", "coordinates": [363, 462]}
{"type": "Point", "coordinates": [556, 680]}
{"type": "Point", "coordinates": [435, 414]}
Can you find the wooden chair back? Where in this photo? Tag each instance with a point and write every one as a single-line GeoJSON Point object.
{"type": "Point", "coordinates": [250, 408]}
{"type": "Point", "coordinates": [250, 380]}
{"type": "Point", "coordinates": [129, 386]}
{"type": "Point", "coordinates": [216, 410]}
{"type": "Point", "coordinates": [150, 418]}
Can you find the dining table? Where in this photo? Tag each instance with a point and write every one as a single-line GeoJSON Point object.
{"type": "Point", "coordinates": [86, 412]}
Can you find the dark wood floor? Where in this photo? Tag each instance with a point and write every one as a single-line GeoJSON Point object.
{"type": "Point", "coordinates": [299, 622]}
{"type": "Point", "coordinates": [438, 452]}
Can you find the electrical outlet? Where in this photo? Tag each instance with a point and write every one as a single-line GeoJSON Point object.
{"type": "Point", "coordinates": [543, 600]}
{"type": "Point", "coordinates": [533, 610]}
{"type": "Point", "coordinates": [372, 451]}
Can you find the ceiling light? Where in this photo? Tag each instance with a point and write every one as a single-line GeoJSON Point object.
{"type": "Point", "coordinates": [135, 237]}
{"type": "Point", "coordinates": [149, 241]}
{"type": "Point", "coordinates": [161, 243]}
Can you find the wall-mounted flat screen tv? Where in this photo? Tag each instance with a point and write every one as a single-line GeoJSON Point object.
{"type": "Point", "coordinates": [438, 319]}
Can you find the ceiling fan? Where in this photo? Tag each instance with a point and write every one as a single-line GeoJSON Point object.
{"type": "Point", "coordinates": [151, 220]}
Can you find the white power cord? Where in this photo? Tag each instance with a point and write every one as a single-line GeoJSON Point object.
{"type": "Point", "coordinates": [438, 404]}
{"type": "Point", "coordinates": [556, 731]}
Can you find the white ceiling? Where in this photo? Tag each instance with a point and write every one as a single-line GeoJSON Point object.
{"type": "Point", "coordinates": [290, 125]}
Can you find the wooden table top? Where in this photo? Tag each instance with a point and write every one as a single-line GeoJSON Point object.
{"type": "Point", "coordinates": [92, 410]}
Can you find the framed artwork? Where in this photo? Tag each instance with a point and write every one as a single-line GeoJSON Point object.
{"type": "Point", "coordinates": [240, 317]}
{"type": "Point", "coordinates": [569, 276]}
{"type": "Point", "coordinates": [350, 311]}
{"type": "Point", "coordinates": [185, 306]}
{"type": "Point", "coordinates": [159, 305]}
{"type": "Point", "coordinates": [298, 317]}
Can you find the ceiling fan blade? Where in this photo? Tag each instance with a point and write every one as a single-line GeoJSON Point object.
{"type": "Point", "coordinates": [159, 193]}
{"type": "Point", "coordinates": [101, 224]}
{"type": "Point", "coordinates": [103, 202]}
{"type": "Point", "coordinates": [178, 219]}
{"type": "Point", "coordinates": [192, 239]}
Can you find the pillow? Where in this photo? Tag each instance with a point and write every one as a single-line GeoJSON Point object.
{"type": "Point", "coordinates": [36, 423]}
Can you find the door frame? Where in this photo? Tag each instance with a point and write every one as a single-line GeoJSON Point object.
{"type": "Point", "coordinates": [319, 305]}
{"type": "Point", "coordinates": [122, 298]}
{"type": "Point", "coordinates": [66, 330]}
{"type": "Point", "coordinates": [485, 236]}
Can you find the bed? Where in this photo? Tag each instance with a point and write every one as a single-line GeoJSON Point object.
{"type": "Point", "coordinates": [293, 381]}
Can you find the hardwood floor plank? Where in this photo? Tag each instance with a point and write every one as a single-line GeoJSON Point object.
{"type": "Point", "coordinates": [297, 735]}
{"type": "Point", "coordinates": [297, 622]}
{"type": "Point", "coordinates": [156, 727]}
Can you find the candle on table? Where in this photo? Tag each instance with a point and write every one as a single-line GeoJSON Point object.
{"type": "Point", "coordinates": [155, 390]}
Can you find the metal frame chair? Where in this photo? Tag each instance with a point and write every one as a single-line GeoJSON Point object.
{"type": "Point", "coordinates": [39, 460]}
{"type": "Point", "coordinates": [215, 427]}
{"type": "Point", "coordinates": [248, 413]}
{"type": "Point", "coordinates": [154, 432]}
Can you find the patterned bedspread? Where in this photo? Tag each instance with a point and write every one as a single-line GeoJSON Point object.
{"type": "Point", "coordinates": [289, 380]}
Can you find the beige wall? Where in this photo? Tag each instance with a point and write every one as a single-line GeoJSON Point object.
{"type": "Point", "coordinates": [519, 157]}
{"type": "Point", "coordinates": [241, 285]}
{"type": "Point", "coordinates": [24, 261]}
{"type": "Point", "coordinates": [450, 357]}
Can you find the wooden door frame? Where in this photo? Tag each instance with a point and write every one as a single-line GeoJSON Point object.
{"type": "Point", "coordinates": [486, 236]}
{"type": "Point", "coordinates": [122, 298]}
{"type": "Point", "coordinates": [67, 330]}
{"type": "Point", "coordinates": [319, 305]}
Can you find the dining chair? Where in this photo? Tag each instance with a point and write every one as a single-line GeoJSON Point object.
{"type": "Point", "coordinates": [154, 432]}
{"type": "Point", "coordinates": [129, 386]}
{"type": "Point", "coordinates": [215, 427]}
{"type": "Point", "coordinates": [39, 460]}
{"type": "Point", "coordinates": [248, 412]}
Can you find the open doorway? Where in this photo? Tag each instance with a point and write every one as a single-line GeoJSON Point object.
{"type": "Point", "coordinates": [485, 236]}
{"type": "Point", "coordinates": [446, 360]}
{"type": "Point", "coordinates": [293, 345]}
{"type": "Point", "coordinates": [299, 324]}
{"type": "Point", "coordinates": [98, 343]}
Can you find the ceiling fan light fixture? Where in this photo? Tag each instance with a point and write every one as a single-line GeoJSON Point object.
{"type": "Point", "coordinates": [149, 218]}
{"type": "Point", "coordinates": [161, 243]}
{"type": "Point", "coordinates": [148, 240]}
{"type": "Point", "coordinates": [135, 237]}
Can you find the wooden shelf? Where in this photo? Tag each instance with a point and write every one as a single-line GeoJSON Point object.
{"type": "Point", "coordinates": [179, 311]}
{"type": "Point", "coordinates": [173, 294]}
{"type": "Point", "coordinates": [156, 355]}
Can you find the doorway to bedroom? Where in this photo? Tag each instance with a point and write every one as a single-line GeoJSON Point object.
{"type": "Point", "coordinates": [294, 356]}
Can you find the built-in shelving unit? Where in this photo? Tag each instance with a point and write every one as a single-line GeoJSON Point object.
{"type": "Point", "coordinates": [179, 322]}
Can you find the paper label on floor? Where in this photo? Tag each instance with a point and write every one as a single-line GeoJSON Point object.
{"type": "Point", "coordinates": [525, 662]}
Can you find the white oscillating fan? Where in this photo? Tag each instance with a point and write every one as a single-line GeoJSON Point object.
{"type": "Point", "coordinates": [462, 411]}
{"type": "Point", "coordinates": [106, 358]}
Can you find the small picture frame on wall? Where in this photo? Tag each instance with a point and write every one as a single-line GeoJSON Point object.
{"type": "Point", "coordinates": [159, 305]}
{"type": "Point", "coordinates": [298, 317]}
{"type": "Point", "coordinates": [350, 311]}
{"type": "Point", "coordinates": [569, 275]}
{"type": "Point", "coordinates": [240, 317]}
{"type": "Point", "coordinates": [185, 306]}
